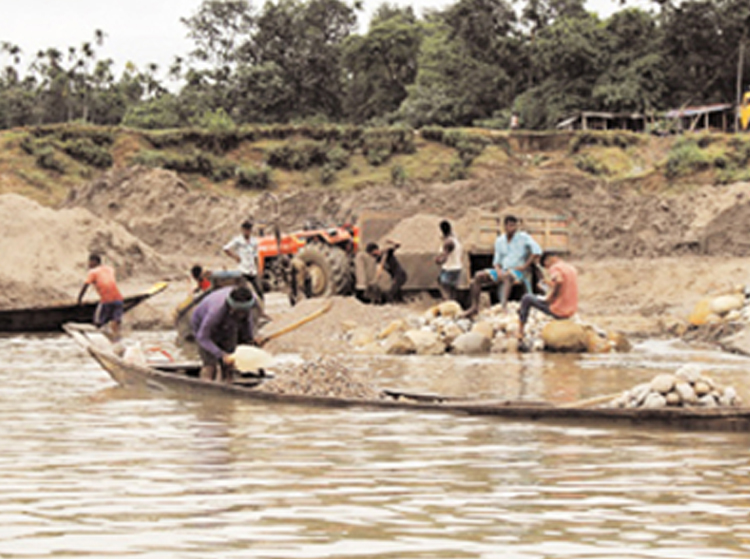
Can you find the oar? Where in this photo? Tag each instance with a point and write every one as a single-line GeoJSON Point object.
{"type": "Point", "coordinates": [302, 321]}
{"type": "Point", "coordinates": [591, 401]}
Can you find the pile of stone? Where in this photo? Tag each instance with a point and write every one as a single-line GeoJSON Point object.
{"type": "Point", "coordinates": [321, 377]}
{"type": "Point", "coordinates": [732, 306]}
{"type": "Point", "coordinates": [686, 388]}
{"type": "Point", "coordinates": [442, 329]}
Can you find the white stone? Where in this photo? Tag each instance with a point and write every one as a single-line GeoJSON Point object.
{"type": "Point", "coordinates": [724, 303]}
{"type": "Point", "coordinates": [663, 383]}
{"type": "Point", "coordinates": [654, 400]}
{"type": "Point", "coordinates": [426, 342]}
{"type": "Point", "coordinates": [689, 373]}
{"type": "Point", "coordinates": [471, 343]}
{"type": "Point", "coordinates": [686, 392]}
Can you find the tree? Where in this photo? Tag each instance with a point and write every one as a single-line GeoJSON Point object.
{"type": "Point", "coordinates": [381, 64]}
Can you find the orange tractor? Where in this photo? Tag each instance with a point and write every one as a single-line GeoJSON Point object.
{"type": "Point", "coordinates": [325, 255]}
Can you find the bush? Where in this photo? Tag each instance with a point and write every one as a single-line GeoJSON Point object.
{"type": "Point", "coordinates": [620, 139]}
{"type": "Point", "coordinates": [590, 164]}
{"type": "Point", "coordinates": [433, 133]}
{"type": "Point", "coordinates": [65, 132]}
{"type": "Point", "coordinates": [378, 144]}
{"type": "Point", "coordinates": [86, 151]}
{"type": "Point", "coordinates": [327, 174]}
{"type": "Point", "coordinates": [216, 168]}
{"type": "Point", "coordinates": [45, 158]}
{"type": "Point", "coordinates": [686, 157]}
{"type": "Point", "coordinates": [298, 156]}
{"type": "Point", "coordinates": [398, 175]}
{"type": "Point", "coordinates": [457, 171]}
{"type": "Point", "coordinates": [338, 158]}
{"type": "Point", "coordinates": [250, 178]}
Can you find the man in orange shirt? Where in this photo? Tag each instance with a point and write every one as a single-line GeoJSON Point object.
{"type": "Point", "coordinates": [110, 308]}
{"type": "Point", "coordinates": [561, 300]}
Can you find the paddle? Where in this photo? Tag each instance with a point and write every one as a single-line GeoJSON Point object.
{"type": "Point", "coordinates": [263, 340]}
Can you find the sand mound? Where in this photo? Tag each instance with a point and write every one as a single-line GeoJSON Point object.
{"type": "Point", "coordinates": [159, 208]}
{"type": "Point", "coordinates": [45, 251]}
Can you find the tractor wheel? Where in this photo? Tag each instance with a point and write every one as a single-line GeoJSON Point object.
{"type": "Point", "coordinates": [328, 270]}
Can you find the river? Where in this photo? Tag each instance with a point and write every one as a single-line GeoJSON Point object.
{"type": "Point", "coordinates": [91, 470]}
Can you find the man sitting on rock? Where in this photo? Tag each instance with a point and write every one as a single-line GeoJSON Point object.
{"type": "Point", "coordinates": [561, 299]}
{"type": "Point", "coordinates": [515, 252]}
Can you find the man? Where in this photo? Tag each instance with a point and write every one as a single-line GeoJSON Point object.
{"type": "Point", "coordinates": [220, 322]}
{"type": "Point", "coordinates": [515, 253]}
{"type": "Point", "coordinates": [451, 262]}
{"type": "Point", "coordinates": [202, 278]}
{"type": "Point", "coordinates": [110, 307]}
{"type": "Point", "coordinates": [561, 300]}
{"type": "Point", "coordinates": [243, 249]}
{"type": "Point", "coordinates": [388, 263]}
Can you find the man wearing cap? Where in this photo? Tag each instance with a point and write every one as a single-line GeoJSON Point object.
{"type": "Point", "coordinates": [220, 322]}
{"type": "Point", "coordinates": [243, 249]}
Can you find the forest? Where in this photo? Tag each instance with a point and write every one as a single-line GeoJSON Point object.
{"type": "Point", "coordinates": [473, 63]}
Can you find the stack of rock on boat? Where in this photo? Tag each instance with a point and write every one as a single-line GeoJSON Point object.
{"type": "Point", "coordinates": [325, 377]}
{"type": "Point", "coordinates": [441, 329]}
{"type": "Point", "coordinates": [687, 387]}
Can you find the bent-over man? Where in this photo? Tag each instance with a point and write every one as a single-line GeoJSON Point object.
{"type": "Point", "coordinates": [220, 322]}
{"type": "Point", "coordinates": [515, 252]}
{"type": "Point", "coordinates": [110, 307]}
{"type": "Point", "coordinates": [561, 299]}
{"type": "Point", "coordinates": [388, 263]}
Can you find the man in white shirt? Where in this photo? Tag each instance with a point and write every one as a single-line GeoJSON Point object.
{"type": "Point", "coordinates": [243, 249]}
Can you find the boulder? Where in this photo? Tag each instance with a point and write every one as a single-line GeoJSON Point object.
{"type": "Point", "coordinates": [565, 335]}
{"type": "Point", "coordinates": [725, 303]}
{"type": "Point", "coordinates": [700, 312]}
{"type": "Point", "coordinates": [689, 373]}
{"type": "Point", "coordinates": [663, 383]}
{"type": "Point", "coordinates": [450, 309]}
{"type": "Point", "coordinates": [654, 400]}
{"type": "Point", "coordinates": [400, 345]}
{"type": "Point", "coordinates": [484, 328]}
{"type": "Point", "coordinates": [471, 343]}
{"type": "Point", "coordinates": [701, 389]}
{"type": "Point", "coordinates": [686, 392]}
{"type": "Point", "coordinates": [426, 342]}
{"type": "Point", "coordinates": [619, 342]}
{"type": "Point", "coordinates": [596, 343]}
{"type": "Point", "coordinates": [450, 332]}
{"type": "Point", "coordinates": [673, 399]}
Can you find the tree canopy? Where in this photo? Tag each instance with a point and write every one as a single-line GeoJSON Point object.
{"type": "Point", "coordinates": [473, 61]}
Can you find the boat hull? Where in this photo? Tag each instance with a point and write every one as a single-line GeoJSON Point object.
{"type": "Point", "coordinates": [135, 376]}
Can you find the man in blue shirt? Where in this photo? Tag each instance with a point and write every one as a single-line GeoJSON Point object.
{"type": "Point", "coordinates": [220, 322]}
{"type": "Point", "coordinates": [515, 253]}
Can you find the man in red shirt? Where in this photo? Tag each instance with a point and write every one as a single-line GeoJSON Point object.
{"type": "Point", "coordinates": [561, 299]}
{"type": "Point", "coordinates": [110, 308]}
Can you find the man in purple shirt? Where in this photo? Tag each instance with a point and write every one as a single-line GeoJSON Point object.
{"type": "Point", "coordinates": [220, 322]}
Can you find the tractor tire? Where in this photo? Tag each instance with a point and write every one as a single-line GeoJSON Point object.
{"type": "Point", "coordinates": [329, 270]}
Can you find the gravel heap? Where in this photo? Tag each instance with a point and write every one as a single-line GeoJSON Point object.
{"type": "Point", "coordinates": [686, 388]}
{"type": "Point", "coordinates": [324, 377]}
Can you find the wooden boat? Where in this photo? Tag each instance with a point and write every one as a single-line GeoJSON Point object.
{"type": "Point", "coordinates": [52, 318]}
{"type": "Point", "coordinates": [181, 380]}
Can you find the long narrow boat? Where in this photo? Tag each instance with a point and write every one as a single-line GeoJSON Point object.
{"type": "Point", "coordinates": [53, 317]}
{"type": "Point", "coordinates": [181, 380]}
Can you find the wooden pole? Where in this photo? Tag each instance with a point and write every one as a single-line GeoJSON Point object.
{"type": "Point", "coordinates": [740, 66]}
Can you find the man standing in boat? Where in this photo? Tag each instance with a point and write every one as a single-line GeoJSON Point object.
{"type": "Point", "coordinates": [110, 308]}
{"type": "Point", "coordinates": [220, 322]}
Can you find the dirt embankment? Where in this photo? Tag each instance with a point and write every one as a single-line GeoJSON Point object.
{"type": "Point", "coordinates": [641, 255]}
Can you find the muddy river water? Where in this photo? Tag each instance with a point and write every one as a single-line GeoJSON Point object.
{"type": "Point", "coordinates": [90, 470]}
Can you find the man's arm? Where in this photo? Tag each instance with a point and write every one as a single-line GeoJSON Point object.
{"type": "Point", "coordinates": [230, 249]}
{"type": "Point", "coordinates": [82, 292]}
{"type": "Point", "coordinates": [448, 247]}
{"type": "Point", "coordinates": [555, 282]}
{"type": "Point", "coordinates": [497, 261]}
{"type": "Point", "coordinates": [534, 250]}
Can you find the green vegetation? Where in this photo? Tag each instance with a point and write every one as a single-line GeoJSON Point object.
{"type": "Point", "coordinates": [470, 63]}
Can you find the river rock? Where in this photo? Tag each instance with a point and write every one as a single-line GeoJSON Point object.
{"type": "Point", "coordinates": [619, 342]}
{"type": "Point", "coordinates": [426, 342]}
{"type": "Point", "coordinates": [484, 328]}
{"type": "Point", "coordinates": [639, 394]}
{"type": "Point", "coordinates": [701, 389]}
{"type": "Point", "coordinates": [395, 326]}
{"type": "Point", "coordinates": [654, 400]}
{"type": "Point", "coordinates": [564, 335]}
{"type": "Point", "coordinates": [471, 343]}
{"type": "Point", "coordinates": [499, 345]}
{"type": "Point", "coordinates": [700, 312]}
{"type": "Point", "coordinates": [400, 345]}
{"type": "Point", "coordinates": [673, 399]}
{"type": "Point", "coordinates": [450, 309]}
{"type": "Point", "coordinates": [729, 397]}
{"type": "Point", "coordinates": [707, 401]}
{"type": "Point", "coordinates": [725, 303]}
{"type": "Point", "coordinates": [686, 392]}
{"type": "Point", "coordinates": [596, 343]}
{"type": "Point", "coordinates": [464, 324]}
{"type": "Point", "coordinates": [450, 332]}
{"type": "Point", "coordinates": [689, 373]}
{"type": "Point", "coordinates": [663, 383]}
